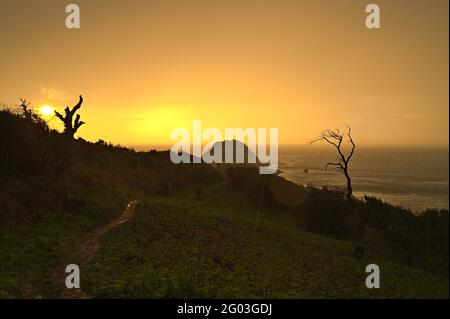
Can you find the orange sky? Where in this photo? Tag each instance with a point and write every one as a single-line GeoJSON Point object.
{"type": "Point", "coordinates": [146, 67]}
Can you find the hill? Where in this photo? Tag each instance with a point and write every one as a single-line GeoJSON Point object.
{"type": "Point", "coordinates": [196, 233]}
{"type": "Point", "coordinates": [225, 246]}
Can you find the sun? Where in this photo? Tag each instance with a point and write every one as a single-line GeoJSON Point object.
{"type": "Point", "coordinates": [46, 110]}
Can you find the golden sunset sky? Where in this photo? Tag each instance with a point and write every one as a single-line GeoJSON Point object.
{"type": "Point", "coordinates": [147, 67]}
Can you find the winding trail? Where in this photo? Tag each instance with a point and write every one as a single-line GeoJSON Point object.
{"type": "Point", "coordinates": [81, 257]}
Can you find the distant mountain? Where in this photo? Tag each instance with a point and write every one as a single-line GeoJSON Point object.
{"type": "Point", "coordinates": [249, 157]}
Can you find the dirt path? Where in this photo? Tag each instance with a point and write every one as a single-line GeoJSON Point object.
{"type": "Point", "coordinates": [81, 257]}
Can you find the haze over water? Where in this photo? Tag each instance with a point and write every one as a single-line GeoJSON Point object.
{"type": "Point", "coordinates": [411, 177]}
{"type": "Point", "coordinates": [414, 177]}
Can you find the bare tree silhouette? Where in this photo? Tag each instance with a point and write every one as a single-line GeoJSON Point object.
{"type": "Point", "coordinates": [70, 126]}
{"type": "Point", "coordinates": [26, 111]}
{"type": "Point", "coordinates": [335, 138]}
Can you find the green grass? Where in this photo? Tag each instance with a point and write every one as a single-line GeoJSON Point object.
{"type": "Point", "coordinates": [54, 191]}
{"type": "Point", "coordinates": [31, 249]}
{"type": "Point", "coordinates": [224, 247]}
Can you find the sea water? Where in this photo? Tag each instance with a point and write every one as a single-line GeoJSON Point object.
{"type": "Point", "coordinates": [411, 177]}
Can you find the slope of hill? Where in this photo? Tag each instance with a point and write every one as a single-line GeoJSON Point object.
{"type": "Point", "coordinates": [195, 233]}
{"type": "Point", "coordinates": [224, 246]}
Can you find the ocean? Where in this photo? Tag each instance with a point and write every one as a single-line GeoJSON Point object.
{"type": "Point", "coordinates": [414, 178]}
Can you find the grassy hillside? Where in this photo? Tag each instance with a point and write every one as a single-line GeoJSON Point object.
{"type": "Point", "coordinates": [199, 231]}
{"type": "Point", "coordinates": [54, 190]}
{"type": "Point", "coordinates": [221, 246]}
{"type": "Point", "coordinates": [38, 233]}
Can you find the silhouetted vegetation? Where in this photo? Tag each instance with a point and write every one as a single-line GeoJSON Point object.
{"type": "Point", "coordinates": [71, 126]}
{"type": "Point", "coordinates": [30, 150]}
{"type": "Point", "coordinates": [419, 240]}
{"type": "Point", "coordinates": [335, 138]}
{"type": "Point", "coordinates": [54, 189]}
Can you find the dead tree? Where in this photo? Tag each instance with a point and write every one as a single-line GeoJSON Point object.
{"type": "Point", "coordinates": [71, 126]}
{"type": "Point", "coordinates": [27, 113]}
{"type": "Point", "coordinates": [335, 138]}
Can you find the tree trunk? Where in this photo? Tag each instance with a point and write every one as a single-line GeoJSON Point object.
{"type": "Point", "coordinates": [349, 185]}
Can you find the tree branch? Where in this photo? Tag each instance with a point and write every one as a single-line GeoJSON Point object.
{"type": "Point", "coordinates": [339, 166]}
{"type": "Point", "coordinates": [59, 115]}
{"type": "Point", "coordinates": [76, 107]}
{"type": "Point", "coordinates": [351, 142]}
